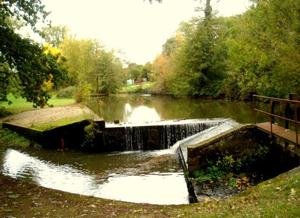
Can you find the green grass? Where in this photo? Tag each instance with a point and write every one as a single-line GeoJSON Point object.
{"type": "Point", "coordinates": [60, 122]}
{"type": "Point", "coordinates": [20, 104]}
{"type": "Point", "coordinates": [137, 88]}
{"type": "Point", "coordinates": [9, 138]}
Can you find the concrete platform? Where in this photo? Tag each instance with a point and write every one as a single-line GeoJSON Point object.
{"type": "Point", "coordinates": [50, 118]}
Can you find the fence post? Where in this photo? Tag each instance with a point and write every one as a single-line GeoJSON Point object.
{"type": "Point", "coordinates": [296, 126]}
{"type": "Point", "coordinates": [272, 119]}
{"type": "Point", "coordinates": [288, 112]}
{"type": "Point", "coordinates": [254, 105]}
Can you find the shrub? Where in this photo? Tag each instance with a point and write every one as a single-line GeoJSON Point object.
{"type": "Point", "coordinates": [67, 92]}
{"type": "Point", "coordinates": [89, 137]}
{"type": "Point", "coordinates": [4, 112]}
{"type": "Point", "coordinates": [83, 91]}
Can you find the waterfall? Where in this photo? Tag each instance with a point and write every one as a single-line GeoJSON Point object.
{"type": "Point", "coordinates": [163, 134]}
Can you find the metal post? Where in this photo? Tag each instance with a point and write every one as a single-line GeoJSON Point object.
{"type": "Point", "coordinates": [296, 125]}
{"type": "Point", "coordinates": [254, 102]}
{"type": "Point", "coordinates": [271, 116]}
{"type": "Point", "coordinates": [287, 112]}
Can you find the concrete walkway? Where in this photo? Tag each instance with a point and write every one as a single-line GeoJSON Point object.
{"type": "Point", "coordinates": [54, 117]}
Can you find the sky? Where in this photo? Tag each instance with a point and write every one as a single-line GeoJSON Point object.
{"type": "Point", "coordinates": [135, 29]}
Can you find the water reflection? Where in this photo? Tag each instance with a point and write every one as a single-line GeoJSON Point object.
{"type": "Point", "coordinates": [113, 108]}
{"type": "Point", "coordinates": [140, 114]}
{"type": "Point", "coordinates": [152, 187]}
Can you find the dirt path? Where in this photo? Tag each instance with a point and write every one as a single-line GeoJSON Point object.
{"type": "Point", "coordinates": [51, 115]}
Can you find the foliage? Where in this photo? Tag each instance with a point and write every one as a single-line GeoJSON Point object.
{"type": "Point", "coordinates": [260, 47]}
{"type": "Point", "coordinates": [18, 104]}
{"type": "Point", "coordinates": [11, 139]}
{"type": "Point", "coordinates": [233, 170]}
{"type": "Point", "coordinates": [23, 63]}
{"type": "Point", "coordinates": [256, 52]}
{"type": "Point", "coordinates": [138, 88]}
{"type": "Point", "coordinates": [4, 112]}
{"type": "Point", "coordinates": [67, 92]}
{"type": "Point", "coordinates": [193, 62]}
{"type": "Point", "coordinates": [88, 62]}
{"type": "Point", "coordinates": [204, 59]}
{"type": "Point", "coordinates": [138, 72]}
{"type": "Point", "coordinates": [54, 35]}
{"type": "Point", "coordinates": [109, 74]}
{"type": "Point", "coordinates": [165, 64]}
{"type": "Point", "coordinates": [82, 92]}
{"type": "Point", "coordinates": [90, 132]}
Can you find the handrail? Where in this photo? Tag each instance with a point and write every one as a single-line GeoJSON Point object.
{"type": "Point", "coordinates": [277, 116]}
{"type": "Point", "coordinates": [288, 118]}
{"type": "Point", "coordinates": [278, 99]}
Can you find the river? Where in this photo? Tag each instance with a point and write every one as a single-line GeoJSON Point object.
{"type": "Point", "coordinates": [133, 108]}
{"type": "Point", "coordinates": [142, 177]}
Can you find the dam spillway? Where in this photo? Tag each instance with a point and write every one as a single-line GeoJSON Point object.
{"type": "Point", "coordinates": [150, 136]}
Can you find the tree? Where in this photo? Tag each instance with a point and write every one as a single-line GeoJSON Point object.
{"type": "Point", "coordinates": [54, 35]}
{"type": "Point", "coordinates": [200, 62]}
{"type": "Point", "coordinates": [89, 64]}
{"type": "Point", "coordinates": [264, 50]}
{"type": "Point", "coordinates": [22, 61]}
{"type": "Point", "coordinates": [109, 73]}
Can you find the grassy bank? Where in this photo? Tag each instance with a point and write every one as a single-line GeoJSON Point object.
{"type": "Point", "coordinates": [278, 197]}
{"type": "Point", "coordinates": [144, 87]}
{"type": "Point", "coordinates": [19, 104]}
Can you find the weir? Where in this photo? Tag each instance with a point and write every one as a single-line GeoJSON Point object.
{"type": "Point", "coordinates": [149, 136]}
{"type": "Point", "coordinates": [94, 134]}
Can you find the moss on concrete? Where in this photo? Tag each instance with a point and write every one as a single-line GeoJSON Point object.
{"type": "Point", "coordinates": [60, 122]}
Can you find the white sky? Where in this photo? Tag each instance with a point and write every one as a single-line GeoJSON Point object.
{"type": "Point", "coordinates": [135, 27]}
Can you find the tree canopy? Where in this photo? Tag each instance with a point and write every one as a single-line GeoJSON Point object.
{"type": "Point", "coordinates": [24, 64]}
{"type": "Point", "coordinates": [89, 64]}
{"type": "Point", "coordinates": [256, 52]}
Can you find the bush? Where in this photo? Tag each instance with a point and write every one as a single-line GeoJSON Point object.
{"type": "Point", "coordinates": [90, 135]}
{"type": "Point", "coordinates": [4, 112]}
{"type": "Point", "coordinates": [67, 92]}
{"type": "Point", "coordinates": [83, 91]}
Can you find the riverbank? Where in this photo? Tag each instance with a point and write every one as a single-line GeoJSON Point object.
{"type": "Point", "coordinates": [276, 197]}
{"type": "Point", "coordinates": [140, 88]}
{"type": "Point", "coordinates": [19, 104]}
{"type": "Point", "coordinates": [51, 117]}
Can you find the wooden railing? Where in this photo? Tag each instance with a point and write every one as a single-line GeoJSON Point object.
{"type": "Point", "coordinates": [291, 111]}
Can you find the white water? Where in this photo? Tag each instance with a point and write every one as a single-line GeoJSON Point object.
{"type": "Point", "coordinates": [166, 132]}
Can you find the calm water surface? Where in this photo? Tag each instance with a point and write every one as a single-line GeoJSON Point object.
{"type": "Point", "coordinates": [134, 108]}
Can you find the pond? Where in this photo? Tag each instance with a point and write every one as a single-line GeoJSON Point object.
{"type": "Point", "coordinates": [137, 108]}
{"type": "Point", "coordinates": [138, 176]}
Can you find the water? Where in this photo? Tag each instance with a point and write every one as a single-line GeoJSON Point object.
{"type": "Point", "coordinates": [141, 108]}
{"type": "Point", "coordinates": [134, 176]}
{"type": "Point", "coordinates": [154, 135]}
{"type": "Point", "coordinates": [141, 177]}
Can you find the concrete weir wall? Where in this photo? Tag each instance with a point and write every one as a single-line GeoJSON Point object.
{"type": "Point", "coordinates": [97, 135]}
{"type": "Point", "coordinates": [234, 142]}
{"type": "Point", "coordinates": [149, 136]}
{"type": "Point", "coordinates": [238, 142]}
